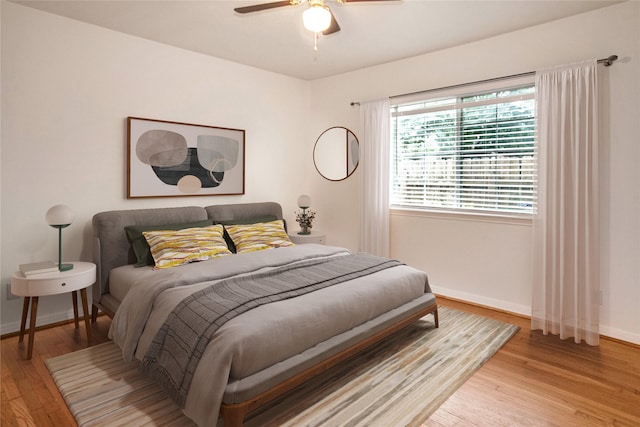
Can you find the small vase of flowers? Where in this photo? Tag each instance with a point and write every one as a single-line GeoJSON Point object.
{"type": "Point", "coordinates": [305, 219]}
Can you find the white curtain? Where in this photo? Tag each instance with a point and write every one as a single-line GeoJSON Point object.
{"type": "Point", "coordinates": [374, 161]}
{"type": "Point", "coordinates": [566, 288]}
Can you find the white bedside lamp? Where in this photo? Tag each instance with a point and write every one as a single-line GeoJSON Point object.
{"type": "Point", "coordinates": [60, 216]}
{"type": "Point", "coordinates": [304, 202]}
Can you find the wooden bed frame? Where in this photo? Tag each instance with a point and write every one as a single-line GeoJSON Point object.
{"type": "Point", "coordinates": [111, 249]}
{"type": "Point", "coordinates": [233, 414]}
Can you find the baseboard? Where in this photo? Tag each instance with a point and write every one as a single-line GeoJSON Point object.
{"type": "Point", "coordinates": [522, 310]}
{"type": "Point", "coordinates": [493, 303]}
{"type": "Point", "coordinates": [618, 334]}
{"type": "Point", "coordinates": [42, 321]}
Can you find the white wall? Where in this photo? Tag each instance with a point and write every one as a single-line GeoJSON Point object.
{"type": "Point", "coordinates": [485, 261]}
{"type": "Point", "coordinates": [67, 88]}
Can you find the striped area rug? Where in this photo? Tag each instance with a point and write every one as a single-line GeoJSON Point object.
{"type": "Point", "coordinates": [398, 383]}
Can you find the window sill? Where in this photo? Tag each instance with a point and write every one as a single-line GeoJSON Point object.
{"type": "Point", "coordinates": [524, 220]}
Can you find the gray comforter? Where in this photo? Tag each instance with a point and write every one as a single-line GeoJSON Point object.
{"type": "Point", "coordinates": [259, 338]}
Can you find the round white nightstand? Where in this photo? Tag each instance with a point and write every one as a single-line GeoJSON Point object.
{"type": "Point", "coordinates": [79, 278]}
{"type": "Point", "coordinates": [314, 237]}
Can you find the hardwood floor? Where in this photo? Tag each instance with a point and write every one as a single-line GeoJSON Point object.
{"type": "Point", "coordinates": [29, 395]}
{"type": "Point", "coordinates": [537, 380]}
{"type": "Point", "coordinates": [534, 380]}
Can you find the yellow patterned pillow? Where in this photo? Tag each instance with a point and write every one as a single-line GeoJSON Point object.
{"type": "Point", "coordinates": [170, 248]}
{"type": "Point", "coordinates": [256, 237]}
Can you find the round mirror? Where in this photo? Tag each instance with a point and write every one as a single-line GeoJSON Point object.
{"type": "Point", "coordinates": [336, 153]}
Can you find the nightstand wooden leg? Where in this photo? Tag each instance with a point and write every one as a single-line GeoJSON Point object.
{"type": "Point", "coordinates": [32, 325]}
{"type": "Point", "coordinates": [87, 318]}
{"type": "Point", "coordinates": [74, 297]}
{"type": "Point", "coordinates": [25, 310]}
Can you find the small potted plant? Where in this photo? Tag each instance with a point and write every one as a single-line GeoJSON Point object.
{"type": "Point", "coordinates": [305, 217]}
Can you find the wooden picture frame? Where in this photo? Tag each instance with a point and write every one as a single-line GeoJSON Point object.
{"type": "Point", "coordinates": [173, 159]}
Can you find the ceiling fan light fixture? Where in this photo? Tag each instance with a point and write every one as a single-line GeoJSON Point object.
{"type": "Point", "coordinates": [316, 18]}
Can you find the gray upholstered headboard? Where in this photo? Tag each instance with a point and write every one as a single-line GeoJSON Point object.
{"type": "Point", "coordinates": [243, 211]}
{"type": "Point", "coordinates": [111, 248]}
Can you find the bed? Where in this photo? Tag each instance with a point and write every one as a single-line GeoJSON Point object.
{"type": "Point", "coordinates": [266, 344]}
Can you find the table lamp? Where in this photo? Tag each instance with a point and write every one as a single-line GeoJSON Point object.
{"type": "Point", "coordinates": [304, 202]}
{"type": "Point", "coordinates": [60, 216]}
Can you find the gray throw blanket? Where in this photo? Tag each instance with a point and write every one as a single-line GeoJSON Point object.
{"type": "Point", "coordinates": [178, 346]}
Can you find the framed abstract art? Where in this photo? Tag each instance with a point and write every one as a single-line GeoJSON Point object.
{"type": "Point", "coordinates": [173, 159]}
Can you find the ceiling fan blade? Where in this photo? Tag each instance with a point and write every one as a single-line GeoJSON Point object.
{"type": "Point", "coordinates": [334, 27]}
{"type": "Point", "coordinates": [264, 6]}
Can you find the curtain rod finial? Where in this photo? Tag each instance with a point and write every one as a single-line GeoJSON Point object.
{"type": "Point", "coordinates": [610, 60]}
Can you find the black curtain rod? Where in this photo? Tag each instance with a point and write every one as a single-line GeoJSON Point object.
{"type": "Point", "coordinates": [606, 61]}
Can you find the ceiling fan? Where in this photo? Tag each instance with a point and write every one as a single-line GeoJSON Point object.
{"type": "Point", "coordinates": [317, 18]}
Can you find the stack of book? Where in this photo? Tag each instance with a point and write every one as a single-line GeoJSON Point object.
{"type": "Point", "coordinates": [36, 268]}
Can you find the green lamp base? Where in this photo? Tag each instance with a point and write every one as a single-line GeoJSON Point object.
{"type": "Point", "coordinates": [61, 266]}
{"type": "Point", "coordinates": [65, 267]}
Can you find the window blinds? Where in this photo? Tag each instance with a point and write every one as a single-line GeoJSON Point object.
{"type": "Point", "coordinates": [471, 152]}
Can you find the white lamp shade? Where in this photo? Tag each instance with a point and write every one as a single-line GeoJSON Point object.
{"type": "Point", "coordinates": [317, 18]}
{"type": "Point", "coordinates": [59, 215]}
{"type": "Point", "coordinates": [304, 201]}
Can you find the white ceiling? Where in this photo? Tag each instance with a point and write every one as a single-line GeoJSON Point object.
{"type": "Point", "coordinates": [372, 32]}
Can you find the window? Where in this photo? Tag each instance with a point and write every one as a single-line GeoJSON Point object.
{"type": "Point", "coordinates": [471, 152]}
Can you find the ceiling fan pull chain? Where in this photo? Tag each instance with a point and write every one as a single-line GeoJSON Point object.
{"type": "Point", "coordinates": [315, 42]}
